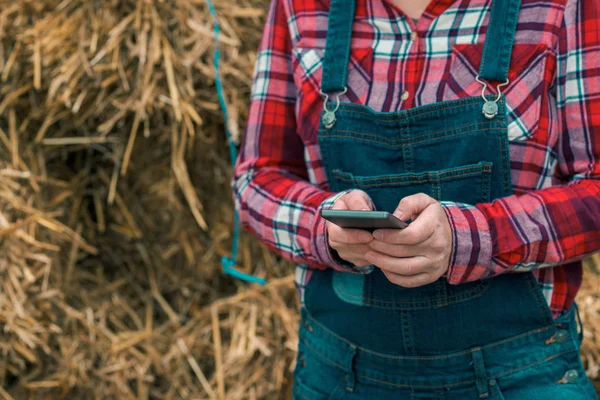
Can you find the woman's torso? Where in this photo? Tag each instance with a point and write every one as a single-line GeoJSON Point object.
{"type": "Point", "coordinates": [395, 65]}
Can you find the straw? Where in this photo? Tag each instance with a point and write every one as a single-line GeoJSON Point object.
{"type": "Point", "coordinates": [116, 209]}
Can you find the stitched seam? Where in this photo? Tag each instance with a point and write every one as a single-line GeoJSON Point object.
{"type": "Point", "coordinates": [303, 386]}
{"type": "Point", "coordinates": [412, 113]}
{"type": "Point", "coordinates": [321, 355]}
{"type": "Point", "coordinates": [540, 330]}
{"type": "Point", "coordinates": [539, 298]}
{"type": "Point", "coordinates": [483, 166]}
{"type": "Point", "coordinates": [531, 364]}
{"type": "Point", "coordinates": [454, 298]}
{"type": "Point", "coordinates": [470, 381]}
{"type": "Point", "coordinates": [432, 358]}
{"type": "Point", "coordinates": [400, 182]}
{"type": "Point", "coordinates": [304, 396]}
{"type": "Point", "coordinates": [402, 142]}
{"type": "Point", "coordinates": [410, 137]}
{"type": "Point", "coordinates": [416, 386]}
{"type": "Point", "coordinates": [426, 178]}
{"type": "Point", "coordinates": [486, 43]}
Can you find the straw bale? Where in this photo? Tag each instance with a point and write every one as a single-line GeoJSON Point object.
{"type": "Point", "coordinates": [115, 209]}
{"type": "Point", "coordinates": [589, 307]}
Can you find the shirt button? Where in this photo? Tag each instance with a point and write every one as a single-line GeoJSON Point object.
{"type": "Point", "coordinates": [405, 95]}
{"type": "Point", "coordinates": [561, 336]}
{"type": "Point", "coordinates": [413, 36]}
{"type": "Point", "coordinates": [571, 376]}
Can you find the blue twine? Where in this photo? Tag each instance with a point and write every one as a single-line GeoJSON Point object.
{"type": "Point", "coordinates": [228, 263]}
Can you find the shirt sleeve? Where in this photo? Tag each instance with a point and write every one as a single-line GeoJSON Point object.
{"type": "Point", "coordinates": [559, 224]}
{"type": "Point", "coordinates": [272, 193]}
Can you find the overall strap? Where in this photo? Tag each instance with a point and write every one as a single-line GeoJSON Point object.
{"type": "Point", "coordinates": [337, 46]}
{"type": "Point", "coordinates": [497, 50]}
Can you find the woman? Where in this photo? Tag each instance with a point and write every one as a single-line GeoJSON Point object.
{"type": "Point", "coordinates": [479, 121]}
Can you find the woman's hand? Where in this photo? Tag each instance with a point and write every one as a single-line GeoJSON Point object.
{"type": "Point", "coordinates": [351, 244]}
{"type": "Point", "coordinates": [419, 254]}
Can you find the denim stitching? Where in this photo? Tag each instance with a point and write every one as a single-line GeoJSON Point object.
{"type": "Point", "coordinates": [404, 385]}
{"type": "Point", "coordinates": [426, 178]}
{"type": "Point", "coordinates": [552, 357]}
{"type": "Point", "coordinates": [457, 298]}
{"type": "Point", "coordinates": [398, 181]}
{"type": "Point", "coordinates": [444, 173]}
{"type": "Point", "coordinates": [409, 138]}
{"type": "Point", "coordinates": [321, 355]}
{"type": "Point", "coordinates": [392, 182]}
{"type": "Point", "coordinates": [514, 370]}
{"type": "Point", "coordinates": [417, 112]}
{"type": "Point", "coordinates": [432, 358]}
{"type": "Point", "coordinates": [304, 396]}
{"type": "Point", "coordinates": [396, 144]}
{"type": "Point", "coordinates": [539, 298]}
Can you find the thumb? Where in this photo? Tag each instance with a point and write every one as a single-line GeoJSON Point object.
{"type": "Point", "coordinates": [358, 200]}
{"type": "Point", "coordinates": [412, 206]}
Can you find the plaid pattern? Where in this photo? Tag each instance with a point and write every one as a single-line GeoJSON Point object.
{"type": "Point", "coordinates": [553, 218]}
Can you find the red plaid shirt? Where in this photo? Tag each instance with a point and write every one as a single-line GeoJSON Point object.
{"type": "Point", "coordinates": [553, 218]}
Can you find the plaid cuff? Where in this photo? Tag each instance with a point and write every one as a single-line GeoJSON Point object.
{"type": "Point", "coordinates": [471, 257]}
{"type": "Point", "coordinates": [324, 254]}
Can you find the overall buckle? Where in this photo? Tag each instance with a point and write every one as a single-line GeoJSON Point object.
{"type": "Point", "coordinates": [328, 117]}
{"type": "Point", "coordinates": [490, 107]}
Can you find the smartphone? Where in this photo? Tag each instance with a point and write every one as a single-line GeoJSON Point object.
{"type": "Point", "coordinates": [366, 220]}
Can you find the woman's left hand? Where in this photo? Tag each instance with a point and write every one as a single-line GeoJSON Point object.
{"type": "Point", "coordinates": [418, 254]}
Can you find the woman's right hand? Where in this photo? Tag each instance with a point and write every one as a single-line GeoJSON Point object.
{"type": "Point", "coordinates": [351, 244]}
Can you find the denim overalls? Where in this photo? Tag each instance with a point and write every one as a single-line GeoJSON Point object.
{"type": "Point", "coordinates": [364, 337]}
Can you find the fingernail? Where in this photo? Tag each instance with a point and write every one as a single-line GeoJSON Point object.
{"type": "Point", "coordinates": [398, 214]}
{"type": "Point", "coordinates": [365, 237]}
{"type": "Point", "coordinates": [378, 235]}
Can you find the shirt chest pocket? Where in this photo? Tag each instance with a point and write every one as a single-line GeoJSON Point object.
{"type": "Point", "coordinates": [532, 70]}
{"type": "Point", "coordinates": [308, 72]}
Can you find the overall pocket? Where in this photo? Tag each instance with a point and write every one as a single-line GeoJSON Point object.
{"type": "Point", "coordinates": [467, 184]}
{"type": "Point", "coordinates": [548, 380]}
{"type": "Point", "coordinates": [315, 377]}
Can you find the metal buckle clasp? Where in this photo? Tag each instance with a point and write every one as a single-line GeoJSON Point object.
{"type": "Point", "coordinates": [490, 107]}
{"type": "Point", "coordinates": [328, 117]}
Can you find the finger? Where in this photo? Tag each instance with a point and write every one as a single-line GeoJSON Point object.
{"type": "Point", "coordinates": [358, 200]}
{"type": "Point", "coordinates": [409, 281]}
{"type": "Point", "coordinates": [411, 206]}
{"type": "Point", "coordinates": [421, 229]}
{"type": "Point", "coordinates": [398, 250]}
{"type": "Point", "coordinates": [361, 263]}
{"type": "Point", "coordinates": [356, 249]}
{"type": "Point", "coordinates": [354, 259]}
{"type": "Point", "coordinates": [402, 266]}
{"type": "Point", "coordinates": [347, 236]}
{"type": "Point", "coordinates": [340, 204]}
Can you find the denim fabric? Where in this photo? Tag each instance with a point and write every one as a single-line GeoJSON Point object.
{"type": "Point", "coordinates": [487, 339]}
{"type": "Point", "coordinates": [447, 150]}
{"type": "Point", "coordinates": [528, 366]}
{"type": "Point", "coordinates": [429, 322]}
